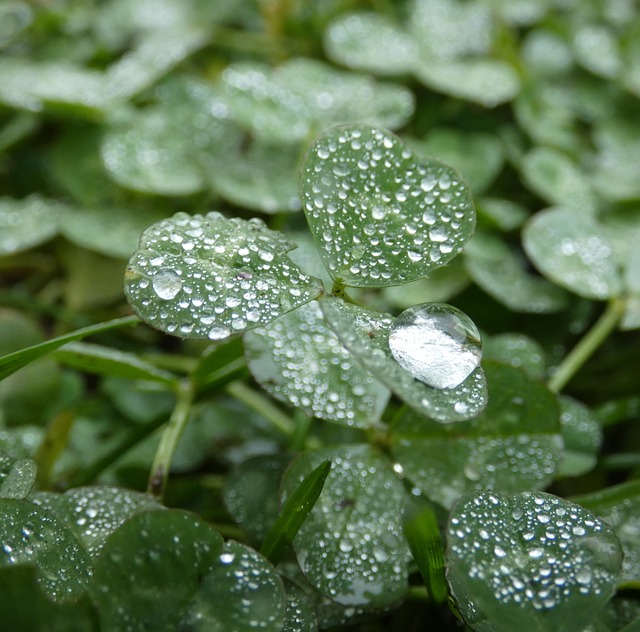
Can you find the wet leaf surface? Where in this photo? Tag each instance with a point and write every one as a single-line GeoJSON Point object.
{"type": "Point", "coordinates": [530, 561]}
{"type": "Point", "coordinates": [210, 277]}
{"type": "Point", "coordinates": [378, 215]}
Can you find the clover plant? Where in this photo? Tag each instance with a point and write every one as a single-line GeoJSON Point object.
{"type": "Point", "coordinates": [381, 368]}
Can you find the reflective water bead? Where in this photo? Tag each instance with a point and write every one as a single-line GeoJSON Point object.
{"type": "Point", "coordinates": [437, 343]}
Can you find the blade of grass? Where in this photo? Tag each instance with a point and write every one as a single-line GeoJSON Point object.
{"type": "Point", "coordinates": [425, 541]}
{"type": "Point", "coordinates": [294, 513]}
{"type": "Point", "coordinates": [11, 362]}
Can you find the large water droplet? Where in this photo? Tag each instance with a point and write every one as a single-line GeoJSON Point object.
{"type": "Point", "coordinates": [437, 343]}
{"type": "Point", "coordinates": [166, 284]}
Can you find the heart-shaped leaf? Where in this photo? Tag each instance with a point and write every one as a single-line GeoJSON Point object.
{"type": "Point", "coordinates": [209, 277]}
{"type": "Point", "coordinates": [300, 360]}
{"type": "Point", "coordinates": [582, 436]}
{"type": "Point", "coordinates": [378, 215]}
{"type": "Point", "coordinates": [365, 333]}
{"type": "Point", "coordinates": [17, 476]}
{"type": "Point", "coordinates": [531, 561]}
{"type": "Point", "coordinates": [351, 547]}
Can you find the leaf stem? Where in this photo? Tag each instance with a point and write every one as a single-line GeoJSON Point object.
{"type": "Point", "coordinates": [587, 346]}
{"type": "Point", "coordinates": [262, 405]}
{"type": "Point", "coordinates": [169, 440]}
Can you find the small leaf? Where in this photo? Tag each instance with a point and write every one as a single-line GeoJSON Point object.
{"type": "Point", "coordinates": [378, 216]}
{"type": "Point", "coordinates": [113, 231]}
{"type": "Point", "coordinates": [501, 274]}
{"type": "Point", "coordinates": [93, 513]}
{"type": "Point", "coordinates": [263, 178]}
{"type": "Point", "coordinates": [11, 362]}
{"type": "Point", "coordinates": [468, 79]}
{"type": "Point", "coordinates": [351, 546]}
{"type": "Point", "coordinates": [31, 535]}
{"type": "Point", "coordinates": [619, 507]}
{"type": "Point", "coordinates": [151, 568]}
{"type": "Point", "coordinates": [371, 42]}
{"type": "Point", "coordinates": [582, 437]}
{"type": "Point", "coordinates": [101, 360]}
{"type": "Point", "coordinates": [513, 445]}
{"type": "Point", "coordinates": [294, 512]}
{"type": "Point", "coordinates": [423, 535]}
{"type": "Point", "coordinates": [365, 334]}
{"type": "Point", "coordinates": [502, 214]}
{"type": "Point", "coordinates": [300, 616]}
{"type": "Point", "coordinates": [27, 223]}
{"type": "Point", "coordinates": [531, 561]}
{"type": "Point", "coordinates": [201, 276]}
{"type": "Point", "coordinates": [569, 248]}
{"type": "Point", "coordinates": [298, 359]}
{"type": "Point", "coordinates": [247, 585]}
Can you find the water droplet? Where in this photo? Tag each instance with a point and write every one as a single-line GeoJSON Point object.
{"type": "Point", "coordinates": [166, 284]}
{"type": "Point", "coordinates": [437, 343]}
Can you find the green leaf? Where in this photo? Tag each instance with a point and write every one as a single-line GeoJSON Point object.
{"type": "Point", "coordinates": [151, 155]}
{"type": "Point", "coordinates": [304, 96]}
{"type": "Point", "coordinates": [247, 585]}
{"type": "Point", "coordinates": [378, 215]}
{"type": "Point", "coordinates": [582, 437]}
{"type": "Point", "coordinates": [151, 568]}
{"type": "Point", "coordinates": [554, 176]}
{"type": "Point", "coordinates": [11, 362]}
{"type": "Point", "coordinates": [263, 178]}
{"type": "Point", "coordinates": [100, 360]}
{"type": "Point", "coordinates": [298, 359]}
{"type": "Point", "coordinates": [23, 606]}
{"type": "Point", "coordinates": [93, 513]}
{"type": "Point", "coordinates": [27, 223]}
{"type": "Point", "coordinates": [469, 79]}
{"type": "Point", "coordinates": [502, 274]}
{"type": "Point", "coordinates": [514, 445]}
{"type": "Point", "coordinates": [569, 247]}
{"type": "Point", "coordinates": [294, 512]}
{"type": "Point", "coordinates": [425, 541]}
{"type": "Point", "coordinates": [371, 42]}
{"type": "Point", "coordinates": [365, 333]}
{"type": "Point", "coordinates": [31, 535]}
{"type": "Point", "coordinates": [597, 49]}
{"type": "Point", "coordinates": [31, 85]}
{"type": "Point", "coordinates": [251, 492]}
{"type": "Point", "coordinates": [530, 561]}
{"type": "Point", "coordinates": [206, 276]}
{"type": "Point", "coordinates": [619, 507]}
{"type": "Point", "coordinates": [17, 476]}
{"type": "Point", "coordinates": [517, 350]}
{"type": "Point", "coordinates": [351, 546]}
{"type": "Point", "coordinates": [112, 231]}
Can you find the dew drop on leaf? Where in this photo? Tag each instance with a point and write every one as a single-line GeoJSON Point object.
{"type": "Point", "coordinates": [437, 343]}
{"type": "Point", "coordinates": [166, 284]}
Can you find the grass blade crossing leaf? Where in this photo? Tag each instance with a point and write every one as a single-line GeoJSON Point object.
{"type": "Point", "coordinates": [294, 513]}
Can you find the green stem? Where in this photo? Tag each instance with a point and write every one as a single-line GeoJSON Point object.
{"type": "Point", "coordinates": [262, 405]}
{"type": "Point", "coordinates": [169, 440]}
{"type": "Point", "coordinates": [586, 347]}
